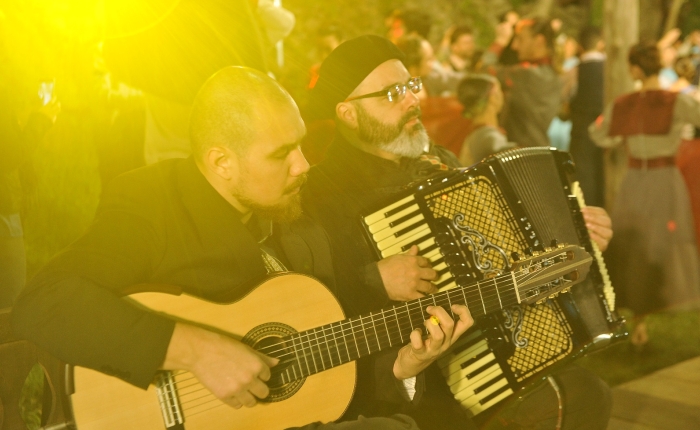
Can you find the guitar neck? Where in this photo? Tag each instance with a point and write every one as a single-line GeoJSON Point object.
{"type": "Point", "coordinates": [324, 347]}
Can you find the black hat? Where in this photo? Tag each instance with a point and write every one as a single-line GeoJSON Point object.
{"type": "Point", "coordinates": [345, 68]}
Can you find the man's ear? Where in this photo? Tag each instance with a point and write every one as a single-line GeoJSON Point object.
{"type": "Point", "coordinates": [221, 161]}
{"type": "Point", "coordinates": [347, 113]}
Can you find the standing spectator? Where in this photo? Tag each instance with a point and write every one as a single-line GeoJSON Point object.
{"type": "Point", "coordinates": [482, 98]}
{"type": "Point", "coordinates": [23, 123]}
{"type": "Point", "coordinates": [669, 54]}
{"type": "Point", "coordinates": [27, 111]}
{"type": "Point", "coordinates": [532, 87]}
{"type": "Point", "coordinates": [441, 114]}
{"type": "Point", "coordinates": [462, 49]}
{"type": "Point", "coordinates": [585, 106]}
{"type": "Point", "coordinates": [653, 257]}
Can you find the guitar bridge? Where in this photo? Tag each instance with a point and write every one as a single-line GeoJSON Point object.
{"type": "Point", "coordinates": [169, 401]}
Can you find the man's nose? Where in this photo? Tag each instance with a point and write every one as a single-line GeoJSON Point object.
{"type": "Point", "coordinates": [411, 99]}
{"type": "Point", "coordinates": [299, 163]}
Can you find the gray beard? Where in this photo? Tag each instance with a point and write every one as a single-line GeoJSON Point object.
{"type": "Point", "coordinates": [396, 140]}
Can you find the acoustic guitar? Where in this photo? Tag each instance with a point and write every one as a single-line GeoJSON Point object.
{"type": "Point", "coordinates": [295, 318]}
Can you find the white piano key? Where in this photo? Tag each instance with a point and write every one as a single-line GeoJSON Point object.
{"type": "Point", "coordinates": [466, 388]}
{"type": "Point", "coordinates": [388, 249]}
{"type": "Point", "coordinates": [384, 223]}
{"type": "Point", "coordinates": [458, 352]}
{"type": "Point", "coordinates": [447, 287]}
{"type": "Point", "coordinates": [454, 371]}
{"type": "Point", "coordinates": [478, 408]}
{"type": "Point", "coordinates": [388, 232]}
{"type": "Point", "coordinates": [373, 218]}
{"type": "Point", "coordinates": [406, 238]}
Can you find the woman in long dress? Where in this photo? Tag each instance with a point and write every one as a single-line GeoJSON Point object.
{"type": "Point", "coordinates": [653, 256]}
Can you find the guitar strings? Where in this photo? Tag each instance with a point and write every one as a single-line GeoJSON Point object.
{"type": "Point", "coordinates": [361, 322]}
{"type": "Point", "coordinates": [321, 353]}
{"type": "Point", "coordinates": [306, 342]}
{"type": "Point", "coordinates": [325, 354]}
{"type": "Point", "coordinates": [415, 306]}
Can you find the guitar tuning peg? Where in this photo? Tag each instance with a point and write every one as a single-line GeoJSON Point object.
{"type": "Point", "coordinates": [529, 251]}
{"type": "Point", "coordinates": [515, 256]}
{"type": "Point", "coordinates": [554, 243]}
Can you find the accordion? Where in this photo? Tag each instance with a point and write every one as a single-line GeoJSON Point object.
{"type": "Point", "coordinates": [513, 203]}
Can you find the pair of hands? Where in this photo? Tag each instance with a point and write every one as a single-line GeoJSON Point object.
{"type": "Point", "coordinates": [406, 277]}
{"type": "Point", "coordinates": [237, 374]}
{"type": "Point", "coordinates": [409, 276]}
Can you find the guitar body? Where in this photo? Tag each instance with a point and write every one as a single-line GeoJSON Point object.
{"type": "Point", "coordinates": [102, 402]}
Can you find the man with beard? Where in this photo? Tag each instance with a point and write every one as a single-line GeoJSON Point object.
{"type": "Point", "coordinates": [380, 146]}
{"type": "Point", "coordinates": [212, 224]}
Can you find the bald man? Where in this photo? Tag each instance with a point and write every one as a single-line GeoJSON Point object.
{"type": "Point", "coordinates": [212, 225]}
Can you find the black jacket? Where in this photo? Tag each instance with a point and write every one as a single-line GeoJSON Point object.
{"type": "Point", "coordinates": [340, 189]}
{"type": "Point", "coordinates": [160, 224]}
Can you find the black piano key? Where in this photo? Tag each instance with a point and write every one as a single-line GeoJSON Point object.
{"type": "Point", "coordinates": [444, 283]}
{"type": "Point", "coordinates": [466, 345]}
{"type": "Point", "coordinates": [481, 369]}
{"type": "Point", "coordinates": [403, 219]}
{"type": "Point", "coordinates": [442, 272]}
{"type": "Point", "coordinates": [492, 381]}
{"type": "Point", "coordinates": [438, 261]}
{"type": "Point", "coordinates": [475, 358]}
{"type": "Point", "coordinates": [410, 228]}
{"type": "Point", "coordinates": [428, 249]}
{"type": "Point", "coordinates": [399, 209]}
{"type": "Point", "coordinates": [494, 394]}
{"type": "Point", "coordinates": [408, 246]}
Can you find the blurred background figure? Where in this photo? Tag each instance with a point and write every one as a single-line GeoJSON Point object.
{"type": "Point", "coordinates": [408, 22]}
{"type": "Point", "coordinates": [653, 257]}
{"type": "Point", "coordinates": [532, 87]}
{"type": "Point", "coordinates": [688, 158]}
{"type": "Point", "coordinates": [329, 36]}
{"type": "Point", "coordinates": [565, 61]}
{"type": "Point", "coordinates": [28, 109]}
{"type": "Point", "coordinates": [171, 55]}
{"type": "Point", "coordinates": [441, 111]}
{"type": "Point", "coordinates": [482, 99]}
{"type": "Point", "coordinates": [669, 54]}
{"type": "Point", "coordinates": [461, 49]}
{"type": "Point", "coordinates": [585, 106]}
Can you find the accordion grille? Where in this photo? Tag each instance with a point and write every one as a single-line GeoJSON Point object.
{"type": "Point", "coordinates": [547, 334]}
{"type": "Point", "coordinates": [484, 209]}
{"type": "Point", "coordinates": [543, 333]}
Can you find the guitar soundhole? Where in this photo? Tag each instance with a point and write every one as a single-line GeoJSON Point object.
{"type": "Point", "coordinates": [268, 339]}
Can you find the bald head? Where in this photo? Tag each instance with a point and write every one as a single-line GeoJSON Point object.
{"type": "Point", "coordinates": [232, 106]}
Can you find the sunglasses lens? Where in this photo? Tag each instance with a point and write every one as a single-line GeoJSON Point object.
{"type": "Point", "coordinates": [415, 85]}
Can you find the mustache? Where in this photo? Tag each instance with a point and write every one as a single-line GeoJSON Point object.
{"type": "Point", "coordinates": [298, 183]}
{"type": "Point", "coordinates": [412, 114]}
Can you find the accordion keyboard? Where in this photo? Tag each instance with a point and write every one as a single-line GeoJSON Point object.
{"type": "Point", "coordinates": [474, 375]}
{"type": "Point", "coordinates": [511, 203]}
{"type": "Point", "coordinates": [397, 227]}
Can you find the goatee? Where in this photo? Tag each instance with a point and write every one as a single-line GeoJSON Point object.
{"type": "Point", "coordinates": [396, 139]}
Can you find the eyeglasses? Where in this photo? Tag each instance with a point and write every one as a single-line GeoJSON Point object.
{"type": "Point", "coordinates": [395, 93]}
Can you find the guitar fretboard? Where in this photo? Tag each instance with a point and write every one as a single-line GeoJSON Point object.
{"type": "Point", "coordinates": [322, 348]}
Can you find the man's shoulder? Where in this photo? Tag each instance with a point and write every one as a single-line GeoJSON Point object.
{"type": "Point", "coordinates": [145, 187]}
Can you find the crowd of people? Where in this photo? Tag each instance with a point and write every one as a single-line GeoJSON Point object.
{"type": "Point", "coordinates": [229, 197]}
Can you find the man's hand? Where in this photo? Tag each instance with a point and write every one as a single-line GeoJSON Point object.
{"type": "Point", "coordinates": [231, 370]}
{"type": "Point", "coordinates": [407, 276]}
{"type": "Point", "coordinates": [599, 225]}
{"type": "Point", "coordinates": [443, 332]}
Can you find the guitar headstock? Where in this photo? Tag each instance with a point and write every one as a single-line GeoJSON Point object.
{"type": "Point", "coordinates": [546, 274]}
